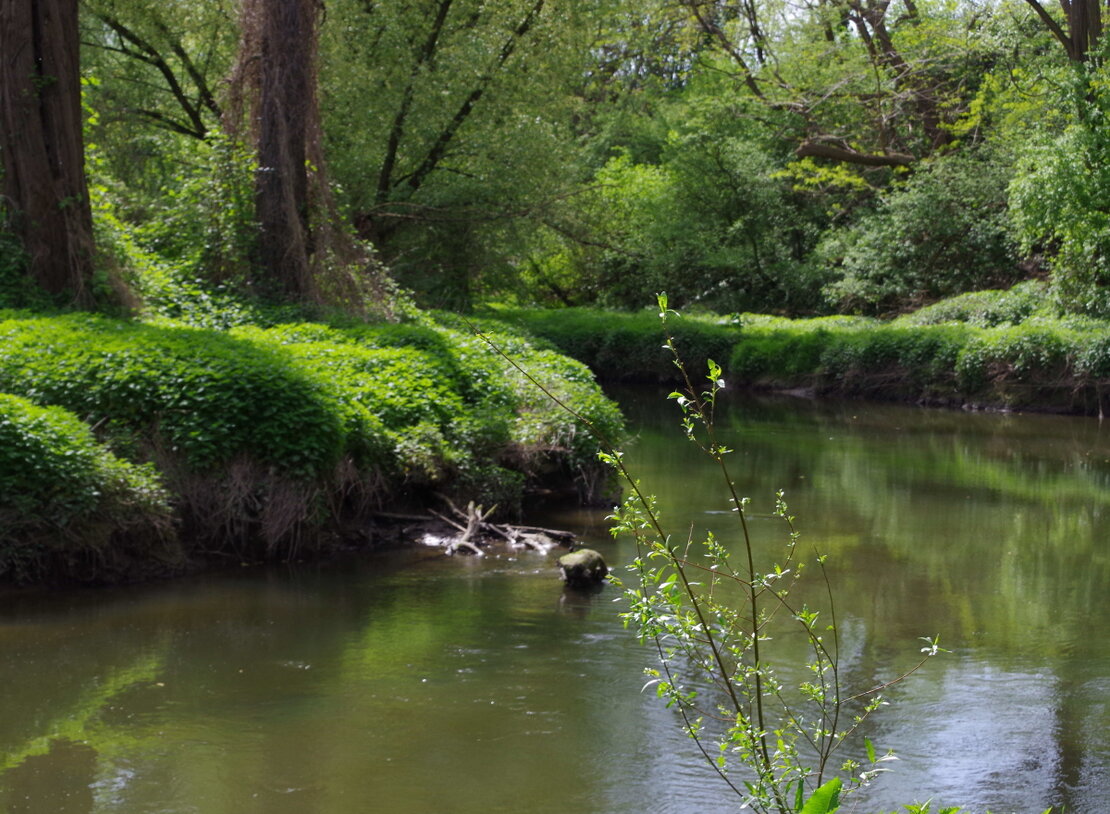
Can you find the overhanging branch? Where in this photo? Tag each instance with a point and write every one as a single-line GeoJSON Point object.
{"type": "Point", "coordinates": [820, 149]}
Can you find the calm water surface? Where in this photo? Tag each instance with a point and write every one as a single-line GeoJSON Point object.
{"type": "Point", "coordinates": [409, 682]}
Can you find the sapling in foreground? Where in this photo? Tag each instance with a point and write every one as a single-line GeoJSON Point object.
{"type": "Point", "coordinates": [774, 721]}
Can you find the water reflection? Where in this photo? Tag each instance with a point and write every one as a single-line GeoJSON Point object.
{"type": "Point", "coordinates": [408, 682]}
{"type": "Point", "coordinates": [60, 779]}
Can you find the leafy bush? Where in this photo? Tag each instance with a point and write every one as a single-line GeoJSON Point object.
{"type": "Point", "coordinates": [399, 403]}
{"type": "Point", "coordinates": [1020, 363]}
{"type": "Point", "coordinates": [65, 499]}
{"type": "Point", "coordinates": [773, 349]}
{"type": "Point", "coordinates": [17, 289]}
{"type": "Point", "coordinates": [942, 354]}
{"type": "Point", "coordinates": [205, 397]}
{"type": "Point", "coordinates": [450, 408]}
{"type": "Point", "coordinates": [261, 431]}
{"type": "Point", "coordinates": [243, 436]}
{"type": "Point", "coordinates": [173, 290]}
{"type": "Point", "coordinates": [984, 308]}
{"type": "Point", "coordinates": [895, 362]}
{"type": "Point", "coordinates": [942, 232]}
{"type": "Point", "coordinates": [201, 223]}
{"type": "Point", "coordinates": [716, 610]}
{"type": "Point", "coordinates": [712, 223]}
{"type": "Point", "coordinates": [1060, 207]}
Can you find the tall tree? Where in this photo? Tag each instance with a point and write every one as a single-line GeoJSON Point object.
{"type": "Point", "coordinates": [449, 128]}
{"type": "Point", "coordinates": [157, 64]}
{"type": "Point", "coordinates": [869, 83]}
{"type": "Point", "coordinates": [41, 142]}
{"type": "Point", "coordinates": [1082, 26]}
{"type": "Point", "coordinates": [276, 71]}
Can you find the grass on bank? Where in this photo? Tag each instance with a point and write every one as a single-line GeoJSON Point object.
{"type": "Point", "coordinates": [268, 436]}
{"type": "Point", "coordinates": [270, 441]}
{"type": "Point", "coordinates": [998, 349]}
{"type": "Point", "coordinates": [68, 506]}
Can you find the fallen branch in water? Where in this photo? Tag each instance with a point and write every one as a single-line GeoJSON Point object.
{"type": "Point", "coordinates": [474, 529]}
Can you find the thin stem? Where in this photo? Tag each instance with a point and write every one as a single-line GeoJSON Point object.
{"type": "Point", "coordinates": [706, 418]}
{"type": "Point", "coordinates": [610, 448]}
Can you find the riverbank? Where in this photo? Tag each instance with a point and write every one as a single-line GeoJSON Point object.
{"type": "Point", "coordinates": [137, 448]}
{"type": "Point", "coordinates": [985, 350]}
{"type": "Point", "coordinates": [141, 448]}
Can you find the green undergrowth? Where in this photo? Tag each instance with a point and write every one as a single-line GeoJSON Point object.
{"type": "Point", "coordinates": [621, 346]}
{"type": "Point", "coordinates": [69, 508]}
{"type": "Point", "coordinates": [996, 349]}
{"type": "Point", "coordinates": [269, 439]}
{"type": "Point", "coordinates": [986, 309]}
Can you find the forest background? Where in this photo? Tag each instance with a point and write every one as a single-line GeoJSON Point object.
{"type": "Point", "coordinates": [796, 158]}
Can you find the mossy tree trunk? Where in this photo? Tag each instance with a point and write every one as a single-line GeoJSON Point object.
{"type": "Point", "coordinates": [286, 93]}
{"type": "Point", "coordinates": [275, 78]}
{"type": "Point", "coordinates": [44, 184]}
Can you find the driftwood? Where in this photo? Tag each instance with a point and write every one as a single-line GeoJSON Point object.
{"type": "Point", "coordinates": [475, 531]}
{"type": "Point", "coordinates": [475, 518]}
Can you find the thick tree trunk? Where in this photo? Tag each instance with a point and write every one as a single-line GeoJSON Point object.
{"type": "Point", "coordinates": [1083, 19]}
{"type": "Point", "coordinates": [40, 139]}
{"type": "Point", "coordinates": [304, 251]}
{"type": "Point", "coordinates": [285, 94]}
{"type": "Point", "coordinates": [1084, 26]}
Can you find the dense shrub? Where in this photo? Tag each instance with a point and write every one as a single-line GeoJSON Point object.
{"type": "Point", "coordinates": [243, 435]}
{"type": "Point", "coordinates": [401, 405]}
{"type": "Point", "coordinates": [891, 361]}
{"type": "Point", "coordinates": [944, 354]}
{"type": "Point", "coordinates": [203, 396]}
{"type": "Point", "coordinates": [1041, 363]}
{"type": "Point", "coordinates": [942, 232]}
{"type": "Point", "coordinates": [1092, 359]}
{"type": "Point", "coordinates": [775, 350]}
{"type": "Point", "coordinates": [706, 213]}
{"type": "Point", "coordinates": [17, 290]}
{"type": "Point", "coordinates": [69, 507]}
{"type": "Point", "coordinates": [450, 408]}
{"type": "Point", "coordinates": [984, 308]}
{"type": "Point", "coordinates": [199, 223]}
{"type": "Point", "coordinates": [1021, 364]}
{"type": "Point", "coordinates": [1059, 207]}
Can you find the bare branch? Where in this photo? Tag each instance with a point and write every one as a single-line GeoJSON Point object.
{"type": "Point", "coordinates": [819, 149]}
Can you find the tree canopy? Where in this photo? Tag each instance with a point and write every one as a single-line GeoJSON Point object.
{"type": "Point", "coordinates": [829, 155]}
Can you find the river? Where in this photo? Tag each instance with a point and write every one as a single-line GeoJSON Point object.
{"type": "Point", "coordinates": [406, 681]}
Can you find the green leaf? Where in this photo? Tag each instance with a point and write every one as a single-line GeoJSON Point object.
{"type": "Point", "coordinates": [825, 800]}
{"type": "Point", "coordinates": [870, 750]}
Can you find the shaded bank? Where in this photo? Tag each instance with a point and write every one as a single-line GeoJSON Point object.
{"type": "Point", "coordinates": [275, 442]}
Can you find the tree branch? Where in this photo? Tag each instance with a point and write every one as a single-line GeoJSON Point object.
{"type": "Point", "coordinates": [712, 29]}
{"type": "Point", "coordinates": [396, 131]}
{"type": "Point", "coordinates": [1052, 26]}
{"type": "Point", "coordinates": [820, 149]}
{"type": "Point", "coordinates": [439, 149]}
{"type": "Point", "coordinates": [149, 54]}
{"type": "Point", "coordinates": [204, 93]}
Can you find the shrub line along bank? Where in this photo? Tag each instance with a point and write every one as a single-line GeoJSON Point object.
{"type": "Point", "coordinates": [269, 442]}
{"type": "Point", "coordinates": [258, 442]}
{"type": "Point", "coordinates": [985, 350]}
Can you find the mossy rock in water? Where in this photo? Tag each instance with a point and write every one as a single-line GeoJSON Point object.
{"type": "Point", "coordinates": [584, 568]}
